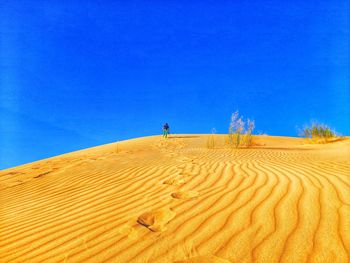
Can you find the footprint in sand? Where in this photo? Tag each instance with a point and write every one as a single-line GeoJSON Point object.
{"type": "Point", "coordinates": [193, 159]}
{"type": "Point", "coordinates": [204, 259]}
{"type": "Point", "coordinates": [185, 195]}
{"type": "Point", "coordinates": [181, 167]}
{"type": "Point", "coordinates": [157, 219]}
{"type": "Point", "coordinates": [186, 159]}
{"type": "Point", "coordinates": [13, 173]}
{"type": "Point", "coordinates": [42, 174]}
{"type": "Point", "coordinates": [191, 170]}
{"type": "Point", "coordinates": [174, 181]}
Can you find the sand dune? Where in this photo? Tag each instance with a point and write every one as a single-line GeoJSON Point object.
{"type": "Point", "coordinates": [175, 200]}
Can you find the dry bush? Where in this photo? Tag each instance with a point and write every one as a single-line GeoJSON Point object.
{"type": "Point", "coordinates": [240, 132]}
{"type": "Point", "coordinates": [318, 133]}
{"type": "Point", "coordinates": [117, 147]}
{"type": "Point", "coordinates": [248, 135]}
{"type": "Point", "coordinates": [211, 139]}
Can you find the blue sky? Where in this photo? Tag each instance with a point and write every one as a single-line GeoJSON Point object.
{"type": "Point", "coordinates": [76, 74]}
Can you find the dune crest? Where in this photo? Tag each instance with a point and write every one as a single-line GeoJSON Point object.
{"type": "Point", "coordinates": [175, 200]}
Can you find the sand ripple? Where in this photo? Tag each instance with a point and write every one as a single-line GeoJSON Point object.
{"type": "Point", "coordinates": [280, 201]}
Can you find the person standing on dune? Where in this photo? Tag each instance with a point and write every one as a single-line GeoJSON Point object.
{"type": "Point", "coordinates": [165, 130]}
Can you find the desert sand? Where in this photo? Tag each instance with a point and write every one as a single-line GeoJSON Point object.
{"type": "Point", "coordinates": [174, 200]}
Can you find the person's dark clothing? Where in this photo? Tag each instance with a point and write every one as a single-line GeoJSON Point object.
{"type": "Point", "coordinates": [166, 130]}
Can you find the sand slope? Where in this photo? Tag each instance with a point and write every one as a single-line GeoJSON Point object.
{"type": "Point", "coordinates": [175, 200]}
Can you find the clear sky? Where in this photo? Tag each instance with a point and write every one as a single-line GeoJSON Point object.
{"type": "Point", "coordinates": [75, 74]}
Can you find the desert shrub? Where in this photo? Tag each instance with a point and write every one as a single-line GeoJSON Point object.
{"type": "Point", "coordinates": [318, 132]}
{"type": "Point", "coordinates": [240, 132]}
{"type": "Point", "coordinates": [211, 139]}
{"type": "Point", "coordinates": [248, 135]}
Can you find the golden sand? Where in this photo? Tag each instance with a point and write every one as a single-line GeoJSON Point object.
{"type": "Point", "coordinates": [174, 200]}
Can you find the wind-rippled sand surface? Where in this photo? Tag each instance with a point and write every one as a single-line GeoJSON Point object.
{"type": "Point", "coordinates": [157, 200]}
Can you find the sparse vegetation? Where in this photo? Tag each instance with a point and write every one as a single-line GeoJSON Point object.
{"type": "Point", "coordinates": [318, 133]}
{"type": "Point", "coordinates": [248, 135]}
{"type": "Point", "coordinates": [240, 132]}
{"type": "Point", "coordinates": [211, 139]}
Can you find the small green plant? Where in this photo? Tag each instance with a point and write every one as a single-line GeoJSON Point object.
{"type": "Point", "coordinates": [211, 139]}
{"type": "Point", "coordinates": [240, 132]}
{"type": "Point", "coordinates": [317, 132]}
